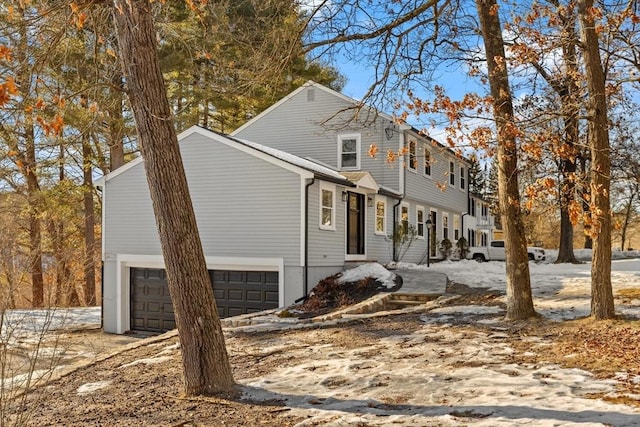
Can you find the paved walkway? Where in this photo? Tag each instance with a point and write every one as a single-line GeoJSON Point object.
{"type": "Point", "coordinates": [422, 281]}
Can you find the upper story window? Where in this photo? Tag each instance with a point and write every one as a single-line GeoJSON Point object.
{"type": "Point", "coordinates": [463, 176]}
{"type": "Point", "coordinates": [349, 151]}
{"type": "Point", "coordinates": [420, 221]}
{"type": "Point", "coordinates": [327, 207]}
{"type": "Point", "coordinates": [485, 210]}
{"type": "Point", "coordinates": [381, 216]}
{"type": "Point", "coordinates": [452, 174]}
{"type": "Point", "coordinates": [427, 162]}
{"type": "Point", "coordinates": [413, 160]}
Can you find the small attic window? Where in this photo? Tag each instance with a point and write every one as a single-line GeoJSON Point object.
{"type": "Point", "coordinates": [311, 95]}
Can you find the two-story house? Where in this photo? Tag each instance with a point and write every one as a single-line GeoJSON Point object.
{"type": "Point", "coordinates": [290, 198]}
{"type": "Point", "coordinates": [426, 181]}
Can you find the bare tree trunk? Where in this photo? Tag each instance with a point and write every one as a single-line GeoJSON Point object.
{"type": "Point", "coordinates": [204, 356]}
{"type": "Point", "coordinates": [568, 90]}
{"type": "Point", "coordinates": [602, 305]}
{"type": "Point", "coordinates": [89, 225]}
{"type": "Point", "coordinates": [519, 299]}
{"type": "Point", "coordinates": [116, 123]}
{"type": "Point", "coordinates": [627, 216]}
{"type": "Point", "coordinates": [35, 224]}
{"type": "Point", "coordinates": [585, 195]}
{"type": "Point", "coordinates": [29, 168]}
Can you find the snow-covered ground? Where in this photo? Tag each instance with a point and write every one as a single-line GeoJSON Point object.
{"type": "Point", "coordinates": [22, 323]}
{"type": "Point", "coordinates": [560, 291]}
{"type": "Point", "coordinates": [436, 374]}
{"type": "Point", "coordinates": [447, 377]}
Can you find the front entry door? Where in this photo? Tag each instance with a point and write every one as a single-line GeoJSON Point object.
{"type": "Point", "coordinates": [355, 224]}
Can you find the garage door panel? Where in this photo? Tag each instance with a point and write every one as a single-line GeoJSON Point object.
{"type": "Point", "coordinates": [272, 296]}
{"type": "Point", "coordinates": [271, 278]}
{"type": "Point", "coordinates": [255, 277]}
{"type": "Point", "coordinates": [235, 295]}
{"type": "Point", "coordinates": [254, 295]}
{"type": "Point", "coordinates": [236, 292]}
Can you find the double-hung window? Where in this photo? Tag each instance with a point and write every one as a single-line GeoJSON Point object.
{"type": "Point", "coordinates": [445, 225]}
{"type": "Point", "coordinates": [462, 177]}
{"type": "Point", "coordinates": [349, 151]}
{"type": "Point", "coordinates": [404, 219]}
{"type": "Point", "coordinates": [427, 162]}
{"type": "Point", "coordinates": [413, 160]}
{"type": "Point", "coordinates": [327, 207]}
{"type": "Point", "coordinates": [452, 174]}
{"type": "Point", "coordinates": [381, 216]}
{"type": "Point", "coordinates": [420, 222]}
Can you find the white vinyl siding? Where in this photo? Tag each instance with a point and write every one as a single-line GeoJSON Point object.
{"type": "Point", "coordinates": [420, 221]}
{"type": "Point", "coordinates": [312, 129]}
{"type": "Point", "coordinates": [253, 214]}
{"type": "Point", "coordinates": [349, 151]}
{"type": "Point", "coordinates": [327, 207]}
{"type": "Point", "coordinates": [381, 215]}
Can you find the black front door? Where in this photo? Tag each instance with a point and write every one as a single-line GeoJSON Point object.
{"type": "Point", "coordinates": [355, 224]}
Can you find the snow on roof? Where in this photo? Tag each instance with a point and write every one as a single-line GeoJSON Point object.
{"type": "Point", "coordinates": [292, 159]}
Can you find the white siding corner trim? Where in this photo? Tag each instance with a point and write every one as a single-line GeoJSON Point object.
{"type": "Point", "coordinates": [124, 263]}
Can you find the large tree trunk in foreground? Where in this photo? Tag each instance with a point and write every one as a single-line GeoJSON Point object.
{"type": "Point", "coordinates": [519, 299]}
{"type": "Point", "coordinates": [602, 306]}
{"type": "Point", "coordinates": [204, 356]}
{"type": "Point", "coordinates": [89, 225]}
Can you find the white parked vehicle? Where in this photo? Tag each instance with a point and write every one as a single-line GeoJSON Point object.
{"type": "Point", "coordinates": [495, 252]}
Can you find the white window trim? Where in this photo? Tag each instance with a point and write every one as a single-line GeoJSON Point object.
{"type": "Point", "coordinates": [424, 172]}
{"type": "Point", "coordinates": [383, 200]}
{"type": "Point", "coordinates": [355, 136]}
{"type": "Point", "coordinates": [327, 187]}
{"type": "Point", "coordinates": [462, 172]}
{"type": "Point", "coordinates": [415, 155]}
{"type": "Point", "coordinates": [420, 209]}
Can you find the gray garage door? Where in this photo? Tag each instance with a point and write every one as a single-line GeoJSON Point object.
{"type": "Point", "coordinates": [236, 292]}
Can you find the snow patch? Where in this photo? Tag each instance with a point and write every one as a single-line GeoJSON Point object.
{"type": "Point", "coordinates": [374, 270]}
{"type": "Point", "coordinates": [147, 361]}
{"type": "Point", "coordinates": [91, 387]}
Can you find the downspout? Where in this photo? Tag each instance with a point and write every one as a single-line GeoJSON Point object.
{"type": "Point", "coordinates": [102, 240]}
{"type": "Point", "coordinates": [395, 225]}
{"type": "Point", "coordinates": [403, 177]}
{"type": "Point", "coordinates": [306, 239]}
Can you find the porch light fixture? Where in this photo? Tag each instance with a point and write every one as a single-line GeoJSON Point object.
{"type": "Point", "coordinates": [344, 196]}
{"type": "Point", "coordinates": [369, 201]}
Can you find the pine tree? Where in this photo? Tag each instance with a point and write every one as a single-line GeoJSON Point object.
{"type": "Point", "coordinates": [490, 193]}
{"type": "Point", "coordinates": [477, 179]}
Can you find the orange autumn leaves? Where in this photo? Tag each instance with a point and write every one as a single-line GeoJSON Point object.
{"type": "Point", "coordinates": [8, 86]}
{"type": "Point", "coordinates": [9, 90]}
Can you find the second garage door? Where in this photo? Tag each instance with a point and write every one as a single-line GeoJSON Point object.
{"type": "Point", "coordinates": [236, 292]}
